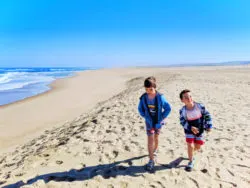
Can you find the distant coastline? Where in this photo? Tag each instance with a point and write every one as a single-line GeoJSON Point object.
{"type": "Point", "coordinates": [229, 63]}
{"type": "Point", "coordinates": [222, 64]}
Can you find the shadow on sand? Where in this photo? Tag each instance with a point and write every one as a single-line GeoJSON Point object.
{"type": "Point", "coordinates": [105, 170]}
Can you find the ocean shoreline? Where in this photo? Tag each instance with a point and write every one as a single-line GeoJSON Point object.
{"type": "Point", "coordinates": [52, 86]}
{"type": "Point", "coordinates": [40, 74]}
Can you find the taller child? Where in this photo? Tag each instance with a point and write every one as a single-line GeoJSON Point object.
{"type": "Point", "coordinates": [154, 108]}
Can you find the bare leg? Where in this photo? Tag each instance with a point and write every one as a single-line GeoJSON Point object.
{"type": "Point", "coordinates": [190, 151]}
{"type": "Point", "coordinates": [189, 167]}
{"type": "Point", "coordinates": [151, 147]}
{"type": "Point", "coordinates": [156, 142]}
{"type": "Point", "coordinates": [196, 148]}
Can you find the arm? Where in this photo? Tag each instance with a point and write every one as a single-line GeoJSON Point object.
{"type": "Point", "coordinates": [166, 107]}
{"type": "Point", "coordinates": [207, 118]}
{"type": "Point", "coordinates": [141, 109]}
{"type": "Point", "coordinates": [183, 121]}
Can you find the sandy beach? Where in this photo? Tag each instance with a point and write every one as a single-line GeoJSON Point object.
{"type": "Point", "coordinates": [86, 131]}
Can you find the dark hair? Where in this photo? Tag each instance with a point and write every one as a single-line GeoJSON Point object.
{"type": "Point", "coordinates": [150, 82]}
{"type": "Point", "coordinates": [183, 92]}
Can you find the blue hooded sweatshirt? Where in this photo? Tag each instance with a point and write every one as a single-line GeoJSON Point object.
{"type": "Point", "coordinates": [162, 106]}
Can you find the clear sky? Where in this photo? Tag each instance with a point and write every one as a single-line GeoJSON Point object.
{"type": "Point", "coordinates": [123, 32]}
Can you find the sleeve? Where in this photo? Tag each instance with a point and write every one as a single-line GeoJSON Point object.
{"type": "Point", "coordinates": [141, 109]}
{"type": "Point", "coordinates": [183, 121]}
{"type": "Point", "coordinates": [166, 107]}
{"type": "Point", "coordinates": [207, 117]}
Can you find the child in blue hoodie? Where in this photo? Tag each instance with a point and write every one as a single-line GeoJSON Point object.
{"type": "Point", "coordinates": [154, 108]}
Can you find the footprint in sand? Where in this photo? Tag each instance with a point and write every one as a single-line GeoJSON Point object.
{"type": "Point", "coordinates": [78, 137]}
{"type": "Point", "coordinates": [142, 127]}
{"type": "Point", "coordinates": [204, 170]}
{"type": "Point", "coordinates": [110, 186]}
{"type": "Point", "coordinates": [2, 182]}
{"type": "Point", "coordinates": [43, 164]}
{"type": "Point", "coordinates": [7, 176]}
{"type": "Point", "coordinates": [94, 121]}
{"type": "Point", "coordinates": [19, 174]}
{"type": "Point", "coordinates": [115, 153]}
{"type": "Point", "coordinates": [59, 162]}
{"type": "Point", "coordinates": [127, 148]}
{"type": "Point", "coordinates": [9, 165]}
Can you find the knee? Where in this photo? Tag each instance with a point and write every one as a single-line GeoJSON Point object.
{"type": "Point", "coordinates": [190, 145]}
{"type": "Point", "coordinates": [197, 146]}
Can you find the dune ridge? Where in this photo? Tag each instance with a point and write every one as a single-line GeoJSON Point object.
{"type": "Point", "coordinates": [106, 147]}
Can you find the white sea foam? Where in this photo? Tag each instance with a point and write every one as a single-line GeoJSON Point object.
{"type": "Point", "coordinates": [17, 80]}
{"type": "Point", "coordinates": [19, 83]}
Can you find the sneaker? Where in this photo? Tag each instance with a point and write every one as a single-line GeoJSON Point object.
{"type": "Point", "coordinates": [150, 166]}
{"type": "Point", "coordinates": [190, 166]}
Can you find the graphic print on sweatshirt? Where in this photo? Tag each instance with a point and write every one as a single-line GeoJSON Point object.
{"type": "Point", "coordinates": [194, 116]}
{"type": "Point", "coordinates": [151, 106]}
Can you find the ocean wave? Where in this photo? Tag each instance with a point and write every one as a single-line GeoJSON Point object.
{"type": "Point", "coordinates": [17, 80]}
{"type": "Point", "coordinates": [13, 86]}
{"type": "Point", "coordinates": [41, 69]}
{"type": "Point", "coordinates": [19, 83]}
{"type": "Point", "coordinates": [9, 76]}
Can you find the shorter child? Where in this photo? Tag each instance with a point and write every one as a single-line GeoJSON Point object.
{"type": "Point", "coordinates": [154, 108]}
{"type": "Point", "coordinates": [195, 119]}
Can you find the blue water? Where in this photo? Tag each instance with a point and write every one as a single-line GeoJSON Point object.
{"type": "Point", "coordinates": [19, 83]}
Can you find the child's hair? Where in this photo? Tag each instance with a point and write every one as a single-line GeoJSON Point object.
{"type": "Point", "coordinates": [183, 92]}
{"type": "Point", "coordinates": [150, 82]}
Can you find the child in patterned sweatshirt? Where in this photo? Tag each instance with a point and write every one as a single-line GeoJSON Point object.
{"type": "Point", "coordinates": [194, 118]}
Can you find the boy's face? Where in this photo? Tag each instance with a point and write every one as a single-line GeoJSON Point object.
{"type": "Point", "coordinates": [187, 98]}
{"type": "Point", "coordinates": [150, 90]}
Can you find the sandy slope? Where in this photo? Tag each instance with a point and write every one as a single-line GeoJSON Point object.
{"type": "Point", "coordinates": [106, 147]}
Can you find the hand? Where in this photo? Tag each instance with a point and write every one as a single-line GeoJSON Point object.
{"type": "Point", "coordinates": [194, 130]}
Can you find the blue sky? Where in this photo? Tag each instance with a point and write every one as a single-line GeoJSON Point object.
{"type": "Point", "coordinates": [123, 33]}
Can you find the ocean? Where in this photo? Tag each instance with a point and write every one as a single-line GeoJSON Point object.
{"type": "Point", "coordinates": [20, 83]}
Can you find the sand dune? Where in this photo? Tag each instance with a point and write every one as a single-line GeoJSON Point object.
{"type": "Point", "coordinates": [105, 145]}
